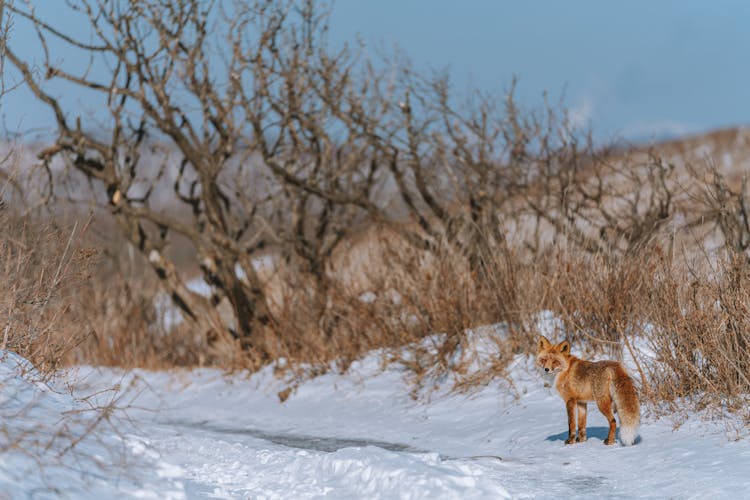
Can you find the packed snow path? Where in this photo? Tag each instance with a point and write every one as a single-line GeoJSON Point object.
{"type": "Point", "coordinates": [360, 435]}
{"type": "Point", "coordinates": [203, 434]}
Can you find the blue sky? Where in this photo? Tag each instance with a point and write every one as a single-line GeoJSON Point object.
{"type": "Point", "coordinates": [637, 70]}
{"type": "Point", "coordinates": [633, 69]}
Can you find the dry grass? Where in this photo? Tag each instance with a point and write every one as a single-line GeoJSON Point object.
{"type": "Point", "coordinates": [686, 326]}
{"type": "Point", "coordinates": [43, 269]}
{"type": "Point", "coordinates": [124, 329]}
{"type": "Point", "coordinates": [700, 333]}
{"type": "Point", "coordinates": [49, 281]}
{"type": "Point", "coordinates": [68, 304]}
{"type": "Point", "coordinates": [68, 300]}
{"type": "Point", "coordinates": [420, 308]}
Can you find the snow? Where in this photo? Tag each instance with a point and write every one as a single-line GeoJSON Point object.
{"type": "Point", "coordinates": [53, 445]}
{"type": "Point", "coordinates": [206, 434]}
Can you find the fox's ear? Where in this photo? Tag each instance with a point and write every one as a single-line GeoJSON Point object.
{"type": "Point", "coordinates": [564, 346]}
{"type": "Point", "coordinates": [543, 343]}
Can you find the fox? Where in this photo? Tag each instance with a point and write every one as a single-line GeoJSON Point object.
{"type": "Point", "coordinates": [578, 381]}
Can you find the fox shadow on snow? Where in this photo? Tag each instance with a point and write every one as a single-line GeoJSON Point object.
{"type": "Point", "coordinates": [591, 432]}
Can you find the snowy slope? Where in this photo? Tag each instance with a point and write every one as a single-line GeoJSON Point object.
{"type": "Point", "coordinates": [360, 435]}
{"type": "Point", "coordinates": [204, 434]}
{"type": "Point", "coordinates": [55, 446]}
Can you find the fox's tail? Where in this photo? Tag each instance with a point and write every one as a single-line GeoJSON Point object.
{"type": "Point", "coordinates": [628, 408]}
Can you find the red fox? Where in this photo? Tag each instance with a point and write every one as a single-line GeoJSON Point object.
{"type": "Point", "coordinates": [578, 381]}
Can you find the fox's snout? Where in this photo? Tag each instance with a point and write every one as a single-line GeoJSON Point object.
{"type": "Point", "coordinates": [548, 364]}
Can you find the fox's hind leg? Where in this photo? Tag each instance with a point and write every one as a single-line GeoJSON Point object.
{"type": "Point", "coordinates": [605, 406]}
{"type": "Point", "coordinates": [581, 422]}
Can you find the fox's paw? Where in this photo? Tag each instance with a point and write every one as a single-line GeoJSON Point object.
{"type": "Point", "coordinates": [581, 438]}
{"type": "Point", "coordinates": [570, 440]}
{"type": "Point", "coordinates": [609, 442]}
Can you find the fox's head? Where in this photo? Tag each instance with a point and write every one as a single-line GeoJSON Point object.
{"type": "Point", "coordinates": [552, 358]}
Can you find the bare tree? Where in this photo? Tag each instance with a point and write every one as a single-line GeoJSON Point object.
{"type": "Point", "coordinates": [267, 138]}
{"type": "Point", "coordinates": [275, 137]}
{"type": "Point", "coordinates": [160, 85]}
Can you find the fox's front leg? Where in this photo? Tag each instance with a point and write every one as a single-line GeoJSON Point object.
{"type": "Point", "coordinates": [570, 405]}
{"type": "Point", "coordinates": [581, 422]}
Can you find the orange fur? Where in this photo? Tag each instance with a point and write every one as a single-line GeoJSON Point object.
{"type": "Point", "coordinates": [605, 382]}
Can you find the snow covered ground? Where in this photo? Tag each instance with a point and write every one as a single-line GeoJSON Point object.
{"type": "Point", "coordinates": [204, 434]}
